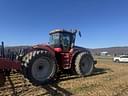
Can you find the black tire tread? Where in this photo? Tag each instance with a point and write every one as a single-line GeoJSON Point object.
{"type": "Point", "coordinates": [28, 59]}
{"type": "Point", "coordinates": [77, 64]}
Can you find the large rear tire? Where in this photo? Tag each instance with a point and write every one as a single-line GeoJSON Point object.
{"type": "Point", "coordinates": [84, 64]}
{"type": "Point", "coordinates": [39, 67]}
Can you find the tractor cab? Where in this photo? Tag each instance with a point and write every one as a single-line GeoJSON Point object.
{"type": "Point", "coordinates": [62, 40]}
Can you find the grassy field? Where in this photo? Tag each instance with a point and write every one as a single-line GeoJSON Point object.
{"type": "Point", "coordinates": [109, 79]}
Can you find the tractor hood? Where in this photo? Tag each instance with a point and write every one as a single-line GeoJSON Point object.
{"type": "Point", "coordinates": [44, 47]}
{"type": "Point", "coordinates": [38, 47]}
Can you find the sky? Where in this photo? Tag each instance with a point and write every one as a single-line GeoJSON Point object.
{"type": "Point", "coordinates": [103, 23]}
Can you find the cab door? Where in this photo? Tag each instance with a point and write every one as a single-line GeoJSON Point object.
{"type": "Point", "coordinates": [66, 42]}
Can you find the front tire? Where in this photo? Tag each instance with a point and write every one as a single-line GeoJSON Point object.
{"type": "Point", "coordinates": [117, 61]}
{"type": "Point", "coordinates": [39, 67]}
{"type": "Point", "coordinates": [84, 64]}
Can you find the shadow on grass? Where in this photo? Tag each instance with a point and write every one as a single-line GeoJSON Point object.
{"type": "Point", "coordinates": [12, 86]}
{"type": "Point", "coordinates": [2, 79]}
{"type": "Point", "coordinates": [55, 90]}
{"type": "Point", "coordinates": [98, 71]}
{"type": "Point", "coordinates": [52, 88]}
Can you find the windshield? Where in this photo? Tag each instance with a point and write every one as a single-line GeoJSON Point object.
{"type": "Point", "coordinates": [54, 39]}
{"type": "Point", "coordinates": [66, 39]}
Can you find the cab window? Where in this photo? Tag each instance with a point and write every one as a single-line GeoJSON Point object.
{"type": "Point", "coordinates": [54, 39]}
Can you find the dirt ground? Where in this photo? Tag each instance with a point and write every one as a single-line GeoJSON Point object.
{"type": "Point", "coordinates": [109, 79]}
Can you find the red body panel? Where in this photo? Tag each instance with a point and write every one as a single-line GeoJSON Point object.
{"type": "Point", "coordinates": [6, 63]}
{"type": "Point", "coordinates": [58, 50]}
{"type": "Point", "coordinates": [65, 60]}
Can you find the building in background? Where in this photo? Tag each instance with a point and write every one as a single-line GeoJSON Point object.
{"type": "Point", "coordinates": [105, 53]}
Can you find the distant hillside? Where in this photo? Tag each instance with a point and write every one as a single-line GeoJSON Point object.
{"type": "Point", "coordinates": [13, 49]}
{"type": "Point", "coordinates": [111, 50]}
{"type": "Point", "coordinates": [16, 48]}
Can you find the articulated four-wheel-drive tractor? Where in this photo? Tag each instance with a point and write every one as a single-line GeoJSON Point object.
{"type": "Point", "coordinates": [41, 63]}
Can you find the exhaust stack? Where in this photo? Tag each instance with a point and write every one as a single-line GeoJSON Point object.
{"type": "Point", "coordinates": [2, 49]}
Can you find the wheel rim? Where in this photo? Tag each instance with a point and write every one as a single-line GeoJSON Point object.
{"type": "Point", "coordinates": [42, 69]}
{"type": "Point", "coordinates": [86, 65]}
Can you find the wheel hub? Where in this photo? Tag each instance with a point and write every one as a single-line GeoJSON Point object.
{"type": "Point", "coordinates": [86, 65]}
{"type": "Point", "coordinates": [41, 69]}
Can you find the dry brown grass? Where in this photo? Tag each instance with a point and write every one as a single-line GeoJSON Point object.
{"type": "Point", "coordinates": [109, 79]}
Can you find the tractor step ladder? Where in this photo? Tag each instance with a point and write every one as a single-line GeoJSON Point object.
{"type": "Point", "coordinates": [66, 60]}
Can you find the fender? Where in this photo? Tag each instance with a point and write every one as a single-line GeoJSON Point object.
{"type": "Point", "coordinates": [36, 47]}
{"type": "Point", "coordinates": [75, 51]}
{"type": "Point", "coordinates": [45, 47]}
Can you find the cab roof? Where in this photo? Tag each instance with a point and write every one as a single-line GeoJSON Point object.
{"type": "Point", "coordinates": [61, 31]}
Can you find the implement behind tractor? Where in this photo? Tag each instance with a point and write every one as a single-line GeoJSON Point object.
{"type": "Point", "coordinates": [7, 63]}
{"type": "Point", "coordinates": [41, 63]}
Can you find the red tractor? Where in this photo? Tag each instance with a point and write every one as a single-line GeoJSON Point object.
{"type": "Point", "coordinates": [41, 63]}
